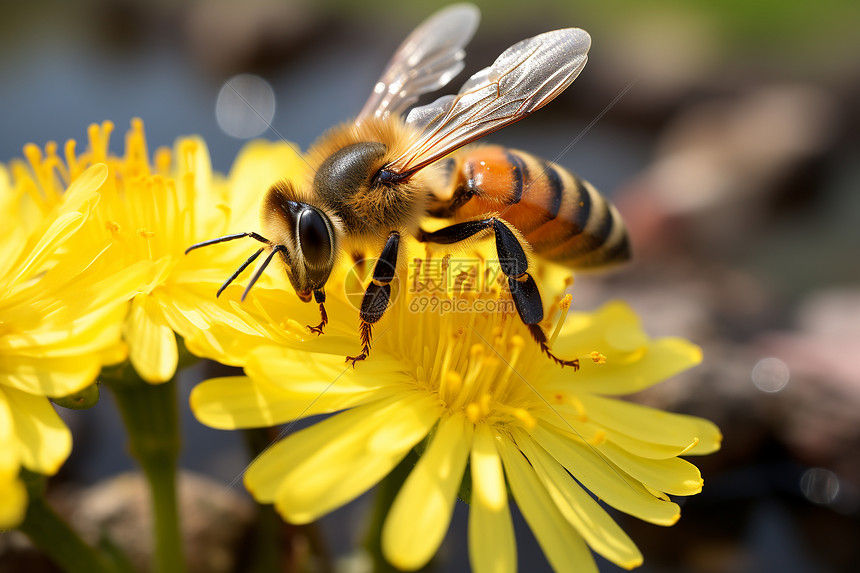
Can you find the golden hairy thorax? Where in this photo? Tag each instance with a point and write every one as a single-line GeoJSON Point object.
{"type": "Point", "coordinates": [345, 163]}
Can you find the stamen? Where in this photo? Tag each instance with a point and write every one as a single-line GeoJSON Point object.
{"type": "Point", "coordinates": [75, 168]}
{"type": "Point", "coordinates": [53, 162]}
{"type": "Point", "coordinates": [564, 305]}
{"type": "Point", "coordinates": [163, 160]}
{"type": "Point", "coordinates": [597, 357]}
{"type": "Point", "coordinates": [580, 409]}
{"type": "Point", "coordinates": [525, 417]}
{"type": "Point", "coordinates": [473, 412]}
{"type": "Point", "coordinates": [451, 386]}
{"type": "Point", "coordinates": [99, 137]}
{"type": "Point", "coordinates": [136, 157]}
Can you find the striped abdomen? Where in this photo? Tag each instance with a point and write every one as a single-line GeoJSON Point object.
{"type": "Point", "coordinates": [562, 216]}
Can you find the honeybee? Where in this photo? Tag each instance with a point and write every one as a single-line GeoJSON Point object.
{"type": "Point", "coordinates": [375, 178]}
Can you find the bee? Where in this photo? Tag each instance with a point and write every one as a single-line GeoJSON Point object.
{"type": "Point", "coordinates": [376, 177]}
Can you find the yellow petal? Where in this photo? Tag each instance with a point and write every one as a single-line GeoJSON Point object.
{"type": "Point", "coordinates": [672, 475]}
{"type": "Point", "coordinates": [240, 402]}
{"type": "Point", "coordinates": [492, 547]}
{"type": "Point", "coordinates": [314, 373]}
{"type": "Point", "coordinates": [563, 546]}
{"type": "Point", "coordinates": [614, 326]}
{"type": "Point", "coordinates": [151, 343]}
{"type": "Point", "coordinates": [421, 512]}
{"type": "Point", "coordinates": [603, 479]}
{"type": "Point", "coordinates": [49, 376]}
{"type": "Point", "coordinates": [81, 189]}
{"type": "Point", "coordinates": [657, 426]}
{"type": "Point", "coordinates": [322, 467]}
{"type": "Point", "coordinates": [14, 504]}
{"type": "Point", "coordinates": [69, 220]}
{"type": "Point", "coordinates": [258, 164]}
{"type": "Point", "coordinates": [10, 459]}
{"type": "Point", "coordinates": [44, 441]}
{"type": "Point", "coordinates": [628, 373]}
{"type": "Point", "coordinates": [598, 529]}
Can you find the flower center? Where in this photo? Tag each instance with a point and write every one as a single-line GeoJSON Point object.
{"type": "Point", "coordinates": [459, 327]}
{"type": "Point", "coordinates": [146, 212]}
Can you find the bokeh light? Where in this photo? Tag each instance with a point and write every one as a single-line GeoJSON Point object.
{"type": "Point", "coordinates": [770, 375]}
{"type": "Point", "coordinates": [245, 106]}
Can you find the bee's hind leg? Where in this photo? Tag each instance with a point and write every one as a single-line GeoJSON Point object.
{"type": "Point", "coordinates": [514, 263]}
{"type": "Point", "coordinates": [319, 297]}
{"type": "Point", "coordinates": [377, 294]}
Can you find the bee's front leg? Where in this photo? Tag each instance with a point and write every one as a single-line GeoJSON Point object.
{"type": "Point", "coordinates": [377, 294]}
{"type": "Point", "coordinates": [319, 297]}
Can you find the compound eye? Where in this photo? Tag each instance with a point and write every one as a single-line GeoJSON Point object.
{"type": "Point", "coordinates": [314, 238]}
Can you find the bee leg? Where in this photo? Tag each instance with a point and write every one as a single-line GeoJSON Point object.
{"type": "Point", "coordinates": [514, 263]}
{"type": "Point", "coordinates": [377, 294]}
{"type": "Point", "coordinates": [319, 296]}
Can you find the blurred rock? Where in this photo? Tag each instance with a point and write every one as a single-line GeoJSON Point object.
{"type": "Point", "coordinates": [819, 414]}
{"type": "Point", "coordinates": [233, 37]}
{"type": "Point", "coordinates": [719, 165]}
{"type": "Point", "coordinates": [214, 519]}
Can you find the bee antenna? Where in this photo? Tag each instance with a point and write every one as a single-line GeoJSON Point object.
{"type": "Point", "coordinates": [226, 238]}
{"type": "Point", "coordinates": [276, 249]}
{"type": "Point", "coordinates": [250, 260]}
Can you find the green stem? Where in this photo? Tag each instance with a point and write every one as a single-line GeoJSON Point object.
{"type": "Point", "coordinates": [55, 538]}
{"type": "Point", "coordinates": [267, 551]}
{"type": "Point", "coordinates": [151, 418]}
{"type": "Point", "coordinates": [276, 545]}
{"type": "Point", "coordinates": [386, 491]}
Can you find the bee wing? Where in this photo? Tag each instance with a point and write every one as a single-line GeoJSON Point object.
{"type": "Point", "coordinates": [427, 60]}
{"type": "Point", "coordinates": [527, 76]}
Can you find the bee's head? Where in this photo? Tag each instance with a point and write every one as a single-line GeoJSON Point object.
{"type": "Point", "coordinates": [307, 236]}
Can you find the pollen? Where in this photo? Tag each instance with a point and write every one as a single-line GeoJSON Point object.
{"type": "Point", "coordinates": [564, 303]}
{"type": "Point", "coordinates": [517, 341]}
{"type": "Point", "coordinates": [597, 357]}
{"type": "Point", "coordinates": [453, 382]}
{"type": "Point", "coordinates": [113, 227]}
{"type": "Point", "coordinates": [525, 417]}
{"type": "Point", "coordinates": [473, 413]}
{"type": "Point", "coordinates": [163, 160]}
{"type": "Point", "coordinates": [99, 138]}
{"type": "Point", "coordinates": [564, 306]}
{"type": "Point", "coordinates": [145, 233]}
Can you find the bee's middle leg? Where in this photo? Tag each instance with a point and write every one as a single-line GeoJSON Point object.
{"type": "Point", "coordinates": [514, 263]}
{"type": "Point", "coordinates": [377, 294]}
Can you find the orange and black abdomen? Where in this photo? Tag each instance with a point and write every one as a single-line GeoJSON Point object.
{"type": "Point", "coordinates": [563, 217]}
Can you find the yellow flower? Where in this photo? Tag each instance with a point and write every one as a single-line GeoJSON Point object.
{"type": "Point", "coordinates": [59, 319]}
{"type": "Point", "coordinates": [83, 235]}
{"type": "Point", "coordinates": [151, 213]}
{"type": "Point", "coordinates": [466, 384]}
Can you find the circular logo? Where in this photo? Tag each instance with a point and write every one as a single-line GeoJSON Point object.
{"type": "Point", "coordinates": [358, 284]}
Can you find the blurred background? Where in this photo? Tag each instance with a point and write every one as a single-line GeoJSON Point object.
{"type": "Point", "coordinates": [726, 133]}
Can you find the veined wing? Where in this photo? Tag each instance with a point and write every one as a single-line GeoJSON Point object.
{"type": "Point", "coordinates": [427, 60]}
{"type": "Point", "coordinates": [527, 76]}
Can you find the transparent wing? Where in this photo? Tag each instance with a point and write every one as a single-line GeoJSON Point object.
{"type": "Point", "coordinates": [427, 60]}
{"type": "Point", "coordinates": [527, 76]}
